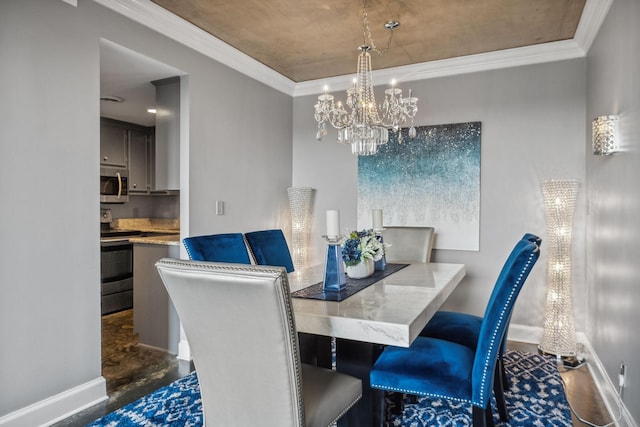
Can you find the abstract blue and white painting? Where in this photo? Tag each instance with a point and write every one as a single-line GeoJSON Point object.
{"type": "Point", "coordinates": [430, 180]}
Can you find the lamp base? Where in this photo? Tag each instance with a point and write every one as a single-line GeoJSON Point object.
{"type": "Point", "coordinates": [567, 361]}
{"type": "Point", "coordinates": [334, 279]}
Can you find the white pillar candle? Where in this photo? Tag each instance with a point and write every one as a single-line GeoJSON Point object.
{"type": "Point", "coordinates": [377, 219]}
{"type": "Point", "coordinates": [333, 223]}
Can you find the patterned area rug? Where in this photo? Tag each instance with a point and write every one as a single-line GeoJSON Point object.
{"type": "Point", "coordinates": [535, 398]}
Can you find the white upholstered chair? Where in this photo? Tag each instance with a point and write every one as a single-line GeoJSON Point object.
{"type": "Point", "coordinates": [240, 325]}
{"type": "Point", "coordinates": [408, 244]}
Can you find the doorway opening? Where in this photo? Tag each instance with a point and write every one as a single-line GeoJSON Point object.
{"type": "Point", "coordinates": [127, 96]}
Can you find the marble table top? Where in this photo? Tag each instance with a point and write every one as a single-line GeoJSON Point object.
{"type": "Point", "coordinates": [392, 311]}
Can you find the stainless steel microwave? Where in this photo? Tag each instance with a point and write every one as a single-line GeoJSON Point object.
{"type": "Point", "coordinates": [114, 185]}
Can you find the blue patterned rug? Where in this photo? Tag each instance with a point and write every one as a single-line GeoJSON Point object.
{"type": "Point", "coordinates": [535, 398]}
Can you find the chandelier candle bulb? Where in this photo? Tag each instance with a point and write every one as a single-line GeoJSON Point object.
{"type": "Point", "coordinates": [333, 224]}
{"type": "Point", "coordinates": [377, 220]}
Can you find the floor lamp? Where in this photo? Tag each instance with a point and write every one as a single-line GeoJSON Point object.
{"type": "Point", "coordinates": [300, 206]}
{"type": "Point", "coordinates": [559, 334]}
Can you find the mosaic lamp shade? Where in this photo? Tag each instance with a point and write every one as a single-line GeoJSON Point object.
{"type": "Point", "coordinates": [300, 205]}
{"type": "Point", "coordinates": [559, 335]}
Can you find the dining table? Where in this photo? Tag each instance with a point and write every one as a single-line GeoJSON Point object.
{"type": "Point", "coordinates": [349, 334]}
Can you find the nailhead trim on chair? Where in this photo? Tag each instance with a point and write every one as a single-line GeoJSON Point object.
{"type": "Point", "coordinates": [482, 402]}
{"type": "Point", "coordinates": [346, 410]}
{"type": "Point", "coordinates": [187, 249]}
{"type": "Point", "coordinates": [294, 347]}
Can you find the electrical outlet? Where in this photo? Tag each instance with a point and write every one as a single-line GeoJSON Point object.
{"type": "Point", "coordinates": [219, 207]}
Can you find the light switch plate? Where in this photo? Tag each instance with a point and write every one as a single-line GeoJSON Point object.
{"type": "Point", "coordinates": [219, 207]}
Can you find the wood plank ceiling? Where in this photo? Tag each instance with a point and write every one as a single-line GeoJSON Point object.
{"type": "Point", "coordinates": [312, 39]}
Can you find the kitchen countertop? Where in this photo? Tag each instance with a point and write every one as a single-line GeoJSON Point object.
{"type": "Point", "coordinates": [164, 231]}
{"type": "Point", "coordinates": [169, 240]}
{"type": "Point", "coordinates": [151, 225]}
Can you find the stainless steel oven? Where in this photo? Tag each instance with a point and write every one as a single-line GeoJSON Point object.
{"type": "Point", "coordinates": [116, 273]}
{"type": "Point", "coordinates": [116, 266]}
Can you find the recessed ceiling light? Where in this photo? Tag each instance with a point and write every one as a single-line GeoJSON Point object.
{"type": "Point", "coordinates": [112, 98]}
{"type": "Point", "coordinates": [152, 110]}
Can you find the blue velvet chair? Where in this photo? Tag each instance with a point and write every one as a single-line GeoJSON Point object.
{"type": "Point", "coordinates": [445, 369]}
{"type": "Point", "coordinates": [269, 247]}
{"type": "Point", "coordinates": [463, 328]}
{"type": "Point", "coordinates": [229, 247]}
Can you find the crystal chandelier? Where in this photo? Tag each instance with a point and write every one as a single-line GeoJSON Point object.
{"type": "Point", "coordinates": [366, 126]}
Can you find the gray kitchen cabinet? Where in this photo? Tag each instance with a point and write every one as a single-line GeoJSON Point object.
{"type": "Point", "coordinates": [155, 320]}
{"type": "Point", "coordinates": [141, 160]}
{"type": "Point", "coordinates": [167, 135]}
{"type": "Point", "coordinates": [113, 143]}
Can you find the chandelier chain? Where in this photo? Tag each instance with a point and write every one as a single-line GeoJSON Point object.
{"type": "Point", "coordinates": [366, 32]}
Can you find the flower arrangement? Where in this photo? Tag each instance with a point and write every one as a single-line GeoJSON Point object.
{"type": "Point", "coordinates": [362, 245]}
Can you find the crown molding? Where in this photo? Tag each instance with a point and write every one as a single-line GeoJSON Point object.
{"type": "Point", "coordinates": [166, 23]}
{"type": "Point", "coordinates": [593, 15]}
{"type": "Point", "coordinates": [536, 54]}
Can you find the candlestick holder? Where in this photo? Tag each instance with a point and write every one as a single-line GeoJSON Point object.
{"type": "Point", "coordinates": [381, 264]}
{"type": "Point", "coordinates": [334, 279]}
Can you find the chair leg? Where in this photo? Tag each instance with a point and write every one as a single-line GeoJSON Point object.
{"type": "Point", "coordinates": [488, 415]}
{"type": "Point", "coordinates": [482, 417]}
{"type": "Point", "coordinates": [397, 403]}
{"type": "Point", "coordinates": [503, 349]}
{"type": "Point", "coordinates": [505, 379]}
{"type": "Point", "coordinates": [479, 417]}
{"type": "Point", "coordinates": [498, 391]}
{"type": "Point", "coordinates": [379, 410]}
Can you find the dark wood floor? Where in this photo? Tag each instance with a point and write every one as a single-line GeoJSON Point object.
{"type": "Point", "coordinates": [133, 371]}
{"type": "Point", "coordinates": [581, 391]}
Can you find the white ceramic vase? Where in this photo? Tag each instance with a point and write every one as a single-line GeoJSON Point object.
{"type": "Point", "coordinates": [361, 270]}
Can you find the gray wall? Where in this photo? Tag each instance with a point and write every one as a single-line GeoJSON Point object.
{"type": "Point", "coordinates": [240, 152]}
{"type": "Point", "coordinates": [532, 129]}
{"type": "Point", "coordinates": [613, 87]}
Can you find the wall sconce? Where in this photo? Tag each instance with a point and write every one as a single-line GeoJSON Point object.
{"type": "Point", "coordinates": [605, 135]}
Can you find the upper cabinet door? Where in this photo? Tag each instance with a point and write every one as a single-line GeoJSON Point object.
{"type": "Point", "coordinates": [140, 160]}
{"type": "Point", "coordinates": [167, 136]}
{"type": "Point", "coordinates": [113, 144]}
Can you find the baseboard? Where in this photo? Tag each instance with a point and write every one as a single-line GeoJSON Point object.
{"type": "Point", "coordinates": [607, 389]}
{"type": "Point", "coordinates": [58, 407]}
{"type": "Point", "coordinates": [153, 347]}
{"type": "Point", "coordinates": [184, 350]}
{"type": "Point", "coordinates": [523, 333]}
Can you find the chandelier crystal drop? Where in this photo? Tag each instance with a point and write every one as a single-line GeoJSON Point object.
{"type": "Point", "coordinates": [365, 124]}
